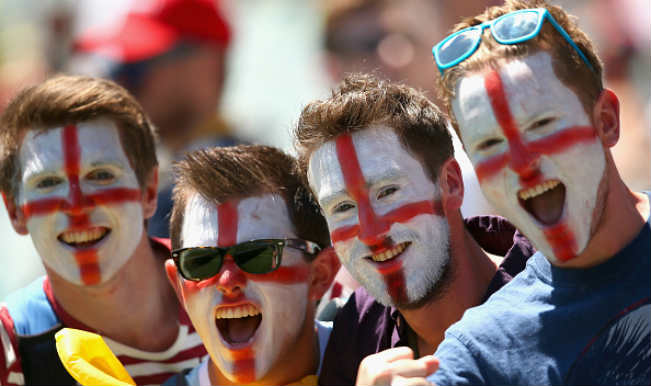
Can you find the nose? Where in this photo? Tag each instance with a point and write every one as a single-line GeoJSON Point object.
{"type": "Point", "coordinates": [232, 280]}
{"type": "Point", "coordinates": [76, 200]}
{"type": "Point", "coordinates": [372, 228]}
{"type": "Point", "coordinates": [523, 161]}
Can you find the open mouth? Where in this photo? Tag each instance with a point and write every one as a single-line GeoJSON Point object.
{"type": "Point", "coordinates": [84, 238]}
{"type": "Point", "coordinates": [238, 324]}
{"type": "Point", "coordinates": [545, 202]}
{"type": "Point", "coordinates": [389, 254]}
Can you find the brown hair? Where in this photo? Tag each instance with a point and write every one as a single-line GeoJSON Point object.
{"type": "Point", "coordinates": [363, 100]}
{"type": "Point", "coordinates": [64, 100]}
{"type": "Point", "coordinates": [224, 173]}
{"type": "Point", "coordinates": [567, 64]}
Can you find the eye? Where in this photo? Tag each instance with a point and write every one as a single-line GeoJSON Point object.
{"type": "Point", "coordinates": [541, 123]}
{"type": "Point", "coordinates": [489, 143]}
{"type": "Point", "coordinates": [389, 190]}
{"type": "Point", "coordinates": [101, 176]}
{"type": "Point", "coordinates": [49, 182]}
{"type": "Point", "coordinates": [343, 207]}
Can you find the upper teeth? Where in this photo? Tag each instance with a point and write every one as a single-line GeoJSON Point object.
{"type": "Point", "coordinates": [538, 189]}
{"type": "Point", "coordinates": [236, 312]}
{"type": "Point", "coordinates": [391, 253]}
{"type": "Point", "coordinates": [83, 236]}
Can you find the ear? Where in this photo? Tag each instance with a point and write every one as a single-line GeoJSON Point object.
{"type": "Point", "coordinates": [173, 278]}
{"type": "Point", "coordinates": [16, 215]}
{"type": "Point", "coordinates": [605, 116]}
{"type": "Point", "coordinates": [150, 194]}
{"type": "Point", "coordinates": [451, 185]}
{"type": "Point", "coordinates": [323, 271]}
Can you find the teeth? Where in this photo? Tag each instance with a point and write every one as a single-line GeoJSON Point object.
{"type": "Point", "coordinates": [391, 253]}
{"type": "Point", "coordinates": [236, 312]}
{"type": "Point", "coordinates": [83, 236]}
{"type": "Point", "coordinates": [538, 189]}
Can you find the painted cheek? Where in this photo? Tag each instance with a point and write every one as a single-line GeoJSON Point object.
{"type": "Point", "coordinates": [522, 157]}
{"type": "Point", "coordinates": [77, 204]}
{"type": "Point", "coordinates": [371, 228]}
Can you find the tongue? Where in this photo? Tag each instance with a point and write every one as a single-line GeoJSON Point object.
{"type": "Point", "coordinates": [547, 207]}
{"type": "Point", "coordinates": [240, 330]}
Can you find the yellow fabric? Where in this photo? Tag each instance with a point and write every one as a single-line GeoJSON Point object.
{"type": "Point", "coordinates": [309, 380]}
{"type": "Point", "coordinates": [89, 360]}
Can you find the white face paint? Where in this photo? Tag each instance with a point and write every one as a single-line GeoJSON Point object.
{"type": "Point", "coordinates": [81, 199]}
{"type": "Point", "coordinates": [219, 307]}
{"type": "Point", "coordinates": [378, 199]}
{"type": "Point", "coordinates": [542, 171]}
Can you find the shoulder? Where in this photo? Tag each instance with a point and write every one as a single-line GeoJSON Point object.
{"type": "Point", "coordinates": [362, 311]}
{"type": "Point", "coordinates": [362, 327]}
{"type": "Point", "coordinates": [31, 310]}
{"type": "Point", "coordinates": [505, 313]}
{"type": "Point", "coordinates": [498, 236]}
{"type": "Point", "coordinates": [184, 378]}
{"type": "Point", "coordinates": [10, 366]}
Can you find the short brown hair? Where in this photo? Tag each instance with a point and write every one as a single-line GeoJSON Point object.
{"type": "Point", "coordinates": [362, 100]}
{"type": "Point", "coordinates": [223, 173]}
{"type": "Point", "coordinates": [64, 100]}
{"type": "Point", "coordinates": [567, 64]}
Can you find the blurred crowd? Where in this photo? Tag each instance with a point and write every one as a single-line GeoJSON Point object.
{"type": "Point", "coordinates": [247, 82]}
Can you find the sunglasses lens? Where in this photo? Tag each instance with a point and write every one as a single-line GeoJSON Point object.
{"type": "Point", "coordinates": [258, 258]}
{"type": "Point", "coordinates": [200, 263]}
{"type": "Point", "coordinates": [458, 46]}
{"type": "Point", "coordinates": [516, 27]}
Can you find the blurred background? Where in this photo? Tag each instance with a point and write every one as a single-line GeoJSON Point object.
{"type": "Point", "coordinates": [239, 71]}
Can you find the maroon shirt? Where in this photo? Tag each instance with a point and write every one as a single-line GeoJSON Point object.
{"type": "Point", "coordinates": [364, 326]}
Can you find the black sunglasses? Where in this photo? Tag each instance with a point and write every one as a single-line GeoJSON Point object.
{"type": "Point", "coordinates": [255, 256]}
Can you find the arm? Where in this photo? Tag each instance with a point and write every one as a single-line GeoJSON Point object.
{"type": "Point", "coordinates": [457, 364]}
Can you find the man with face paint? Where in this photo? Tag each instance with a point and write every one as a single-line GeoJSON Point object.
{"type": "Point", "coordinates": [379, 158]}
{"type": "Point", "coordinates": [250, 261]}
{"type": "Point", "coordinates": [78, 173]}
{"type": "Point", "coordinates": [530, 108]}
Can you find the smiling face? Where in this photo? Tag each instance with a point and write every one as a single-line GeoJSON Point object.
{"type": "Point", "coordinates": [383, 213]}
{"type": "Point", "coordinates": [538, 159]}
{"type": "Point", "coordinates": [81, 200]}
{"type": "Point", "coordinates": [248, 322]}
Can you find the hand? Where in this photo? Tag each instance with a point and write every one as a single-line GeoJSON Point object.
{"type": "Point", "coordinates": [396, 367]}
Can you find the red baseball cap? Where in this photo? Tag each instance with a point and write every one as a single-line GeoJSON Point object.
{"type": "Point", "coordinates": [157, 26]}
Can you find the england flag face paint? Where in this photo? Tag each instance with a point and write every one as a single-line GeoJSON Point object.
{"type": "Point", "coordinates": [81, 200]}
{"type": "Point", "coordinates": [383, 212]}
{"type": "Point", "coordinates": [538, 159]}
{"type": "Point", "coordinates": [248, 322]}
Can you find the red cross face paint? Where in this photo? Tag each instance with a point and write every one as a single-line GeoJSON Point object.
{"type": "Point", "coordinates": [383, 212]}
{"type": "Point", "coordinates": [246, 321]}
{"type": "Point", "coordinates": [537, 157]}
{"type": "Point", "coordinates": [81, 199]}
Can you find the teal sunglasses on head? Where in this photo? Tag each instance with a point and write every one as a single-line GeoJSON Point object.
{"type": "Point", "coordinates": [511, 28]}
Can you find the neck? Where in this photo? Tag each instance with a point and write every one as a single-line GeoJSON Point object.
{"type": "Point", "coordinates": [136, 296]}
{"type": "Point", "coordinates": [619, 206]}
{"type": "Point", "coordinates": [472, 272]}
{"type": "Point", "coordinates": [300, 360]}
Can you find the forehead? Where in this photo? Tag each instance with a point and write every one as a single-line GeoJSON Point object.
{"type": "Point", "coordinates": [260, 217]}
{"type": "Point", "coordinates": [95, 139]}
{"type": "Point", "coordinates": [379, 152]}
{"type": "Point", "coordinates": [531, 88]}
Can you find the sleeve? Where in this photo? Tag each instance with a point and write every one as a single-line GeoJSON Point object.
{"type": "Point", "coordinates": [10, 369]}
{"type": "Point", "coordinates": [339, 366]}
{"type": "Point", "coordinates": [457, 364]}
